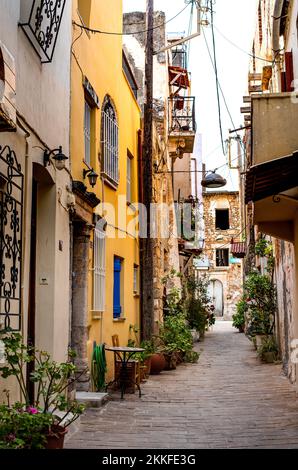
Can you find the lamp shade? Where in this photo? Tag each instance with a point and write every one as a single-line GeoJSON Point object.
{"type": "Point", "coordinates": [213, 181]}
{"type": "Point", "coordinates": [60, 159]}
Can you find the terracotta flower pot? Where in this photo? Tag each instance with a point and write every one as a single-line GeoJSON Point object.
{"type": "Point", "coordinates": [171, 361]}
{"type": "Point", "coordinates": [157, 363]}
{"type": "Point", "coordinates": [55, 437]}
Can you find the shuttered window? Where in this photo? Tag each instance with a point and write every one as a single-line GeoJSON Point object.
{"type": "Point", "coordinates": [128, 180]}
{"type": "Point", "coordinates": [136, 279]}
{"type": "Point", "coordinates": [99, 272]}
{"type": "Point", "coordinates": [117, 287]}
{"type": "Point", "coordinates": [87, 133]}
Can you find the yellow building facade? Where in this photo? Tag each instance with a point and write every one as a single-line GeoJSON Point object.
{"type": "Point", "coordinates": [105, 138]}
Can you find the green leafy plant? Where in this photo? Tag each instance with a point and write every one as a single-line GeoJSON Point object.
{"type": "Point", "coordinates": [239, 316]}
{"type": "Point", "coordinates": [261, 298]}
{"type": "Point", "coordinates": [264, 248]}
{"type": "Point", "coordinates": [197, 305]}
{"type": "Point", "coordinates": [175, 335]}
{"type": "Point", "coordinates": [269, 345]}
{"type": "Point", "coordinates": [23, 428]}
{"type": "Point", "coordinates": [52, 381]}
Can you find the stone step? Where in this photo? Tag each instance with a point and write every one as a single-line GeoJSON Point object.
{"type": "Point", "coordinates": [92, 399]}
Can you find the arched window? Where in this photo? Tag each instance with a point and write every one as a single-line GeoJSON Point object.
{"type": "Point", "coordinates": [109, 134]}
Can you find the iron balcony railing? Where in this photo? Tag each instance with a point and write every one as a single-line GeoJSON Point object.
{"type": "Point", "coordinates": [182, 114]}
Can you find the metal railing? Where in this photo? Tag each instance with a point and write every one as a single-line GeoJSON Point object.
{"type": "Point", "coordinates": [182, 114]}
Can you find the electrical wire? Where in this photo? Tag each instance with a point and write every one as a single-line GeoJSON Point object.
{"type": "Point", "coordinates": [222, 93]}
{"type": "Point", "coordinates": [200, 171]}
{"type": "Point", "coordinates": [242, 50]}
{"type": "Point", "coordinates": [98, 31]}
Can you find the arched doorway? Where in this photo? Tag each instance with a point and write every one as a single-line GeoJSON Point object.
{"type": "Point", "coordinates": [216, 294]}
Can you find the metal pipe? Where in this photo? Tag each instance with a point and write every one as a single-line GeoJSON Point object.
{"type": "Point", "coordinates": [276, 26]}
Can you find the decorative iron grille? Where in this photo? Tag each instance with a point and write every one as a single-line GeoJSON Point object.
{"type": "Point", "coordinates": [182, 114]}
{"type": "Point", "coordinates": [11, 219]}
{"type": "Point", "coordinates": [42, 27]}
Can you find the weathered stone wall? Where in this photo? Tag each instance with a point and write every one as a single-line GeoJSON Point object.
{"type": "Point", "coordinates": [166, 255]}
{"type": "Point", "coordinates": [231, 276]}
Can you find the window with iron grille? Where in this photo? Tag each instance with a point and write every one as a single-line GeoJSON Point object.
{"type": "Point", "coordinates": [99, 269]}
{"type": "Point", "coordinates": [109, 132]}
{"type": "Point", "coordinates": [222, 257]}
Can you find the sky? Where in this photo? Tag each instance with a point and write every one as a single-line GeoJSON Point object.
{"type": "Point", "coordinates": [235, 19]}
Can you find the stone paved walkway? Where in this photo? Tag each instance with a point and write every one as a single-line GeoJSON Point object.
{"type": "Point", "coordinates": [227, 400]}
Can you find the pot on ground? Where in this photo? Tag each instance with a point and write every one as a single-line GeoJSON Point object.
{"type": "Point", "coordinates": [171, 361]}
{"type": "Point", "coordinates": [55, 437]}
{"type": "Point", "coordinates": [269, 357]}
{"type": "Point", "coordinates": [157, 363]}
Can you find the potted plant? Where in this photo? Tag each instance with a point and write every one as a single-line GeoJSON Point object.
{"type": "Point", "coordinates": [239, 316]}
{"type": "Point", "coordinates": [268, 351]}
{"type": "Point", "coordinates": [52, 411]}
{"type": "Point", "coordinates": [260, 297]}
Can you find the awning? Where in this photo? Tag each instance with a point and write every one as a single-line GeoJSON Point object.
{"type": "Point", "coordinates": [271, 178]}
{"type": "Point", "coordinates": [238, 249]}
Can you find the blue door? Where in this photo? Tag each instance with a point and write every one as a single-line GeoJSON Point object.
{"type": "Point", "coordinates": [117, 288]}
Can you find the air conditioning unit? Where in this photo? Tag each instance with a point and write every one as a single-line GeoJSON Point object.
{"type": "Point", "coordinates": [7, 91]}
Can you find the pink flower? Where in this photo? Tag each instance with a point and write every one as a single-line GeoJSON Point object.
{"type": "Point", "coordinates": [32, 410]}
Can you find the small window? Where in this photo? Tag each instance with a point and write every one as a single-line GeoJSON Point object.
{"type": "Point", "coordinates": [222, 221]}
{"type": "Point", "coordinates": [222, 257]}
{"type": "Point", "coordinates": [117, 291]}
{"type": "Point", "coordinates": [136, 279]}
{"type": "Point", "coordinates": [87, 133]}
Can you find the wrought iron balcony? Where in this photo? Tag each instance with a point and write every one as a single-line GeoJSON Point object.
{"type": "Point", "coordinates": [40, 21]}
{"type": "Point", "coordinates": [182, 124]}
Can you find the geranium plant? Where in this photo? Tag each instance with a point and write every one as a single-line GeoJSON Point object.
{"type": "Point", "coordinates": [51, 384]}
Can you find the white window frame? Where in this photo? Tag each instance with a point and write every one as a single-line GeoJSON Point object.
{"type": "Point", "coordinates": [99, 269]}
{"type": "Point", "coordinates": [110, 152]}
{"type": "Point", "coordinates": [135, 279]}
{"type": "Point", "coordinates": [87, 132]}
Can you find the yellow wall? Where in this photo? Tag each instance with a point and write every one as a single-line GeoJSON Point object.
{"type": "Point", "coordinates": [100, 59]}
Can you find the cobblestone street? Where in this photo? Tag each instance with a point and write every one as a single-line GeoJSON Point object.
{"type": "Point", "coordinates": [228, 400]}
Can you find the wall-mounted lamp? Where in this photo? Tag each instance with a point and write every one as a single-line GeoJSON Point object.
{"type": "Point", "coordinates": [58, 157]}
{"type": "Point", "coordinates": [213, 181]}
{"type": "Point", "coordinates": [92, 176]}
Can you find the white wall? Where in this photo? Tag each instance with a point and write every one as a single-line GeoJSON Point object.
{"type": "Point", "coordinates": [43, 106]}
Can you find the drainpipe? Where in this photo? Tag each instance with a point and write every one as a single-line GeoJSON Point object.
{"type": "Point", "coordinates": [276, 26]}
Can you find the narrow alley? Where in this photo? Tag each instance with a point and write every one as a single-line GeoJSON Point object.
{"type": "Point", "coordinates": [227, 400]}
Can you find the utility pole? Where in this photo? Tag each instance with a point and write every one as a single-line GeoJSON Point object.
{"type": "Point", "coordinates": [147, 243]}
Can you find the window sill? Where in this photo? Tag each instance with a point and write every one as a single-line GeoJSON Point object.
{"type": "Point", "coordinates": [107, 180]}
{"type": "Point", "coordinates": [119, 320]}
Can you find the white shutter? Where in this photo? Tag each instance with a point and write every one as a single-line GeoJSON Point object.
{"type": "Point", "coordinates": [87, 132]}
{"type": "Point", "coordinates": [99, 271]}
{"type": "Point", "coordinates": [128, 180]}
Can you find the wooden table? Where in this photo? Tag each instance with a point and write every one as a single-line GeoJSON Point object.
{"type": "Point", "coordinates": [124, 354]}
